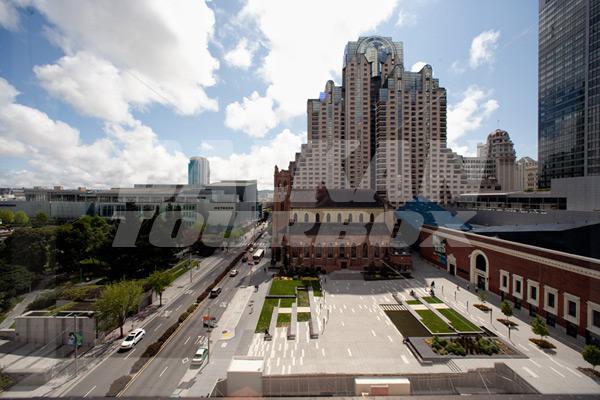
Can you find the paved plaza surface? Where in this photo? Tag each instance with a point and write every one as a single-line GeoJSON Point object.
{"type": "Point", "coordinates": [356, 336]}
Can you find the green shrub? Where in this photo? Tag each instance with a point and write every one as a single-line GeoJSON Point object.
{"type": "Point", "coordinates": [139, 363]}
{"type": "Point", "coordinates": [152, 349]}
{"type": "Point", "coordinates": [192, 308]}
{"type": "Point", "coordinates": [456, 349]}
{"type": "Point", "coordinates": [5, 382]}
{"type": "Point", "coordinates": [487, 346]}
{"type": "Point", "coordinates": [183, 317]}
{"type": "Point", "coordinates": [43, 301]}
{"type": "Point", "coordinates": [118, 385]}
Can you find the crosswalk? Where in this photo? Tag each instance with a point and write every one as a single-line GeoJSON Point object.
{"type": "Point", "coordinates": [392, 307]}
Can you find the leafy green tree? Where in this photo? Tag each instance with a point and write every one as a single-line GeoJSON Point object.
{"type": "Point", "coordinates": [116, 302]}
{"type": "Point", "coordinates": [81, 241]}
{"type": "Point", "coordinates": [31, 247]}
{"type": "Point", "coordinates": [506, 309]}
{"type": "Point", "coordinates": [159, 280]}
{"type": "Point", "coordinates": [6, 216]}
{"type": "Point", "coordinates": [14, 280]}
{"type": "Point", "coordinates": [539, 327]}
{"type": "Point", "coordinates": [591, 354]}
{"type": "Point", "coordinates": [40, 219]}
{"type": "Point", "coordinates": [482, 296]}
{"type": "Point", "coordinates": [21, 218]}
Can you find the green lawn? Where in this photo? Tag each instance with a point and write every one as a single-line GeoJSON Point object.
{"type": "Point", "coordinates": [286, 302]}
{"type": "Point", "coordinates": [285, 287]}
{"type": "Point", "coordinates": [413, 301]}
{"type": "Point", "coordinates": [459, 323]}
{"type": "Point", "coordinates": [432, 300]}
{"type": "Point", "coordinates": [303, 316]}
{"type": "Point", "coordinates": [283, 320]}
{"type": "Point", "coordinates": [264, 320]}
{"type": "Point", "coordinates": [433, 322]}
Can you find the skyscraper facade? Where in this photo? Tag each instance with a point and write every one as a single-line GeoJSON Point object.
{"type": "Point", "coordinates": [384, 129]}
{"type": "Point", "coordinates": [198, 171]}
{"type": "Point", "coordinates": [569, 89]}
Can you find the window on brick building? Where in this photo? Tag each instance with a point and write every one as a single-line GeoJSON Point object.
{"type": "Point", "coordinates": [365, 251]}
{"type": "Point", "coordinates": [572, 308]}
{"type": "Point", "coordinates": [596, 318]}
{"type": "Point", "coordinates": [306, 251]}
{"type": "Point", "coordinates": [533, 293]}
{"type": "Point", "coordinates": [551, 300]}
{"type": "Point", "coordinates": [319, 251]}
{"type": "Point", "coordinates": [330, 250]}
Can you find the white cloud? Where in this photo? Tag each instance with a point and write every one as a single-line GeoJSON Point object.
{"type": "Point", "coordinates": [483, 48]}
{"type": "Point", "coordinates": [406, 18]}
{"type": "Point", "coordinates": [154, 52]}
{"type": "Point", "coordinates": [9, 16]}
{"type": "Point", "coordinates": [260, 161]}
{"type": "Point", "coordinates": [416, 67]}
{"type": "Point", "coordinates": [305, 48]}
{"type": "Point", "coordinates": [469, 113]}
{"type": "Point", "coordinates": [241, 55]}
{"type": "Point", "coordinates": [205, 146]}
{"type": "Point", "coordinates": [254, 115]}
{"type": "Point", "coordinates": [57, 155]}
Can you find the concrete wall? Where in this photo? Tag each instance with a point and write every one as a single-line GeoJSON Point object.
{"type": "Point", "coordinates": [53, 329]}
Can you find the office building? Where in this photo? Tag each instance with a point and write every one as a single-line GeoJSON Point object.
{"type": "Point", "coordinates": [198, 171]}
{"type": "Point", "coordinates": [527, 174]}
{"type": "Point", "coordinates": [569, 89]}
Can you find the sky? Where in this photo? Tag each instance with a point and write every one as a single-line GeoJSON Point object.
{"type": "Point", "coordinates": [113, 93]}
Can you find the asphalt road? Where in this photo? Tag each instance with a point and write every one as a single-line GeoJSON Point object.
{"type": "Point", "coordinates": [162, 375]}
{"type": "Point", "coordinates": [98, 380]}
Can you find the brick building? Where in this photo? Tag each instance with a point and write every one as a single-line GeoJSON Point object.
{"type": "Point", "coordinates": [560, 287]}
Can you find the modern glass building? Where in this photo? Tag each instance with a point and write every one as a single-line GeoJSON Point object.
{"type": "Point", "coordinates": [198, 171]}
{"type": "Point", "coordinates": [569, 89]}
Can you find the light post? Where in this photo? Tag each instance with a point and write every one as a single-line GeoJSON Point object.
{"type": "Point", "coordinates": [190, 264]}
{"type": "Point", "coordinates": [208, 330]}
{"type": "Point", "coordinates": [76, 339]}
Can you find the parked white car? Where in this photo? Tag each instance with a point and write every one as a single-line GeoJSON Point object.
{"type": "Point", "coordinates": [132, 339]}
{"type": "Point", "coordinates": [200, 356]}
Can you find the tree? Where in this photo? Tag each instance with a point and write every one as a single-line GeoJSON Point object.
{"type": "Point", "coordinates": [31, 247]}
{"type": "Point", "coordinates": [6, 216]}
{"type": "Point", "coordinates": [116, 302]}
{"type": "Point", "coordinates": [539, 327]}
{"type": "Point", "coordinates": [591, 354]}
{"type": "Point", "coordinates": [482, 296]}
{"type": "Point", "coordinates": [159, 280]}
{"type": "Point", "coordinates": [506, 310]}
{"type": "Point", "coordinates": [40, 219]}
{"type": "Point", "coordinates": [21, 218]}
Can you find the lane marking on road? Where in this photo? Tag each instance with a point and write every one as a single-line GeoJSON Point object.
{"type": "Point", "coordinates": [89, 391]}
{"type": "Point", "coordinates": [158, 327]}
{"type": "Point", "coordinates": [317, 345]}
{"type": "Point", "coordinates": [353, 311]}
{"type": "Point", "coordinates": [349, 352]}
{"type": "Point", "coordinates": [535, 363]}
{"type": "Point", "coordinates": [301, 361]}
{"type": "Point", "coordinates": [187, 340]}
{"type": "Point", "coordinates": [224, 344]}
{"type": "Point", "coordinates": [373, 333]}
{"type": "Point", "coordinates": [185, 360]}
{"type": "Point", "coordinates": [523, 347]}
{"type": "Point", "coordinates": [278, 361]}
{"type": "Point", "coordinates": [163, 371]}
{"type": "Point", "coordinates": [573, 372]}
{"type": "Point", "coordinates": [498, 332]}
{"type": "Point", "coordinates": [127, 356]}
{"type": "Point", "coordinates": [378, 319]}
{"type": "Point", "coordinates": [558, 373]}
{"type": "Point", "coordinates": [390, 339]}
{"type": "Point", "coordinates": [289, 369]}
{"type": "Point", "coordinates": [323, 352]}
{"type": "Point", "coordinates": [404, 359]}
{"type": "Point", "coordinates": [178, 307]}
{"type": "Point", "coordinates": [343, 323]}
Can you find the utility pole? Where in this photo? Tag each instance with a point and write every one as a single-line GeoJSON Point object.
{"type": "Point", "coordinates": [76, 339]}
{"type": "Point", "coordinates": [190, 263]}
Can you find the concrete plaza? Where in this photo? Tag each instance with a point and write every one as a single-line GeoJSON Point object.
{"type": "Point", "coordinates": [356, 336]}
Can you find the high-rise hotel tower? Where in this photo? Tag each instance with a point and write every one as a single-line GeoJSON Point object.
{"type": "Point", "coordinates": [384, 129]}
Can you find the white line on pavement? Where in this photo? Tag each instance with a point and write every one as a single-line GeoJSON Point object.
{"type": "Point", "coordinates": [159, 325]}
{"type": "Point", "coordinates": [343, 323]}
{"type": "Point", "coordinates": [558, 373]}
{"type": "Point", "coordinates": [530, 372]}
{"type": "Point", "coordinates": [89, 391]}
{"type": "Point", "coordinates": [163, 371]}
{"type": "Point", "coordinates": [373, 332]}
{"type": "Point", "coordinates": [523, 347]}
{"type": "Point", "coordinates": [535, 363]}
{"type": "Point", "coordinates": [278, 361]}
{"type": "Point", "coordinates": [323, 352]}
{"type": "Point", "coordinates": [390, 339]}
{"type": "Point", "coordinates": [317, 345]}
{"type": "Point", "coordinates": [349, 352]}
{"type": "Point", "coordinates": [404, 359]}
{"type": "Point", "coordinates": [178, 307]}
{"type": "Point", "coordinates": [130, 353]}
{"type": "Point", "coordinates": [224, 344]}
{"type": "Point", "coordinates": [187, 340]}
{"type": "Point", "coordinates": [573, 372]}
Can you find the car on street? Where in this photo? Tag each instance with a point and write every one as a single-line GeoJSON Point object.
{"type": "Point", "coordinates": [215, 292]}
{"type": "Point", "coordinates": [132, 339]}
{"type": "Point", "coordinates": [200, 356]}
{"type": "Point", "coordinates": [233, 272]}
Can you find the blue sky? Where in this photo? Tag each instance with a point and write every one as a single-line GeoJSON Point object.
{"type": "Point", "coordinates": [114, 93]}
